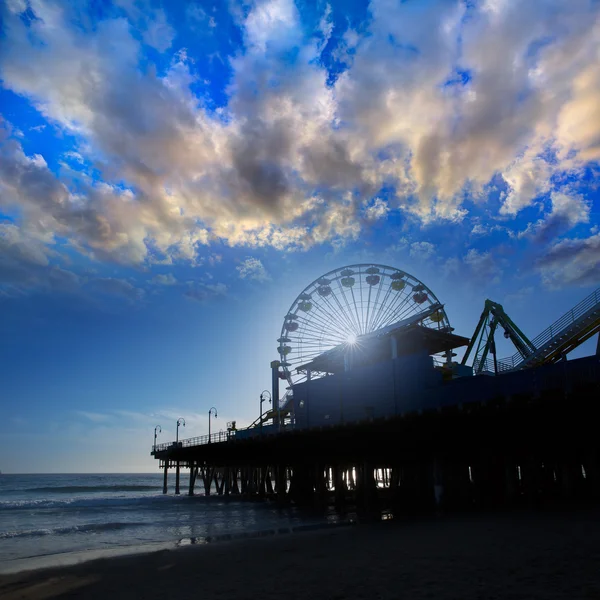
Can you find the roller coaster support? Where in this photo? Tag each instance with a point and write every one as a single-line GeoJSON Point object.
{"type": "Point", "coordinates": [493, 315]}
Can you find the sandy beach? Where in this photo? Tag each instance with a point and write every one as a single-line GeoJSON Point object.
{"type": "Point", "coordinates": [523, 555]}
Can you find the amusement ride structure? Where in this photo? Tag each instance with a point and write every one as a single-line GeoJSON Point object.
{"type": "Point", "coordinates": [347, 306]}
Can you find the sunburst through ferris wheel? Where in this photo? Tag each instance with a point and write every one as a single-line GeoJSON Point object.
{"type": "Point", "coordinates": [349, 304]}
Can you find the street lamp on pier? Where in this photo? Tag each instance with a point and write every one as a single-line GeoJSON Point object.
{"type": "Point", "coordinates": [264, 395]}
{"type": "Point", "coordinates": [210, 412]}
{"type": "Point", "coordinates": [180, 421]}
{"type": "Point", "coordinates": [157, 428]}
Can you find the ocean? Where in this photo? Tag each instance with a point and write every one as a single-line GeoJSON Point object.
{"type": "Point", "coordinates": [48, 520]}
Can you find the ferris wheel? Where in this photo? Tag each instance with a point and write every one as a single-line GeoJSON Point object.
{"type": "Point", "coordinates": [347, 303]}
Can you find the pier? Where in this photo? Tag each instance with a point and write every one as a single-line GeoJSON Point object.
{"type": "Point", "coordinates": [540, 446]}
{"type": "Point", "coordinates": [384, 420]}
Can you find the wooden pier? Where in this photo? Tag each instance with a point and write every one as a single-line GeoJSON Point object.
{"type": "Point", "coordinates": [534, 448]}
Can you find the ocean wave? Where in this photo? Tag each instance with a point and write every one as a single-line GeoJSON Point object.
{"type": "Point", "coordinates": [74, 489]}
{"type": "Point", "coordinates": [86, 528]}
{"type": "Point", "coordinates": [82, 502]}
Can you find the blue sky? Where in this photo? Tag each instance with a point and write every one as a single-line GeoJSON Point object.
{"type": "Point", "coordinates": [173, 175]}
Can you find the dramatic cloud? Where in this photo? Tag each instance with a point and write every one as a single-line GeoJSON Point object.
{"type": "Point", "coordinates": [429, 102]}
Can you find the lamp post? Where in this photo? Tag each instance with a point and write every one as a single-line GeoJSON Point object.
{"type": "Point", "coordinates": [180, 421]}
{"type": "Point", "coordinates": [157, 428]}
{"type": "Point", "coordinates": [264, 395]}
{"type": "Point", "coordinates": [209, 415]}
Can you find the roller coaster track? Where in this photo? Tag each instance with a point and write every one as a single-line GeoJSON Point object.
{"type": "Point", "coordinates": [554, 343]}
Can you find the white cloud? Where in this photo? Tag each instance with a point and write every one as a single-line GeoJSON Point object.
{"type": "Point", "coordinates": [479, 229]}
{"type": "Point", "coordinates": [527, 178]}
{"type": "Point", "coordinates": [378, 209]}
{"type": "Point", "coordinates": [252, 268]}
{"type": "Point", "coordinates": [73, 155]}
{"type": "Point", "coordinates": [422, 250]}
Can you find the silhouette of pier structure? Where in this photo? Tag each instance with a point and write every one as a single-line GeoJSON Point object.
{"type": "Point", "coordinates": [380, 422]}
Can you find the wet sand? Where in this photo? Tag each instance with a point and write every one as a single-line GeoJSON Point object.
{"type": "Point", "coordinates": [521, 555]}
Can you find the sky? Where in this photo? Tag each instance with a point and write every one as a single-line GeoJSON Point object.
{"type": "Point", "coordinates": [172, 175]}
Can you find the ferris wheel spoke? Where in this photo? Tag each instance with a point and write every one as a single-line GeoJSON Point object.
{"type": "Point", "coordinates": [315, 317]}
{"type": "Point", "coordinates": [347, 314]}
{"type": "Point", "coordinates": [375, 302]}
{"type": "Point", "coordinates": [378, 303]}
{"type": "Point", "coordinates": [410, 310]}
{"type": "Point", "coordinates": [317, 325]}
{"type": "Point", "coordinates": [328, 315]}
{"type": "Point", "coordinates": [362, 303]}
{"type": "Point", "coordinates": [315, 333]}
{"type": "Point", "coordinates": [346, 311]}
{"type": "Point", "coordinates": [356, 310]}
{"type": "Point", "coordinates": [347, 325]}
{"type": "Point", "coordinates": [319, 339]}
{"type": "Point", "coordinates": [400, 311]}
{"type": "Point", "coordinates": [349, 311]}
{"type": "Point", "coordinates": [387, 315]}
{"type": "Point", "coordinates": [382, 306]}
{"type": "Point", "coordinates": [324, 343]}
{"type": "Point", "coordinates": [315, 321]}
{"type": "Point", "coordinates": [368, 307]}
{"type": "Point", "coordinates": [417, 309]}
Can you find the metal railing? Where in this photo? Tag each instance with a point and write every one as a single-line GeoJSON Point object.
{"type": "Point", "coordinates": [559, 328]}
{"type": "Point", "coordinates": [215, 438]}
{"type": "Point", "coordinates": [221, 436]}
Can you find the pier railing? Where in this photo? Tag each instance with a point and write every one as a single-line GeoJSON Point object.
{"type": "Point", "coordinates": [220, 436]}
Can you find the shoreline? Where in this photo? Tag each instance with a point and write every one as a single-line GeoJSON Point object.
{"type": "Point", "coordinates": [510, 555]}
{"type": "Point", "coordinates": [19, 566]}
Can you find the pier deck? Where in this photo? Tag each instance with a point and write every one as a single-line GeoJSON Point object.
{"type": "Point", "coordinates": [540, 445]}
